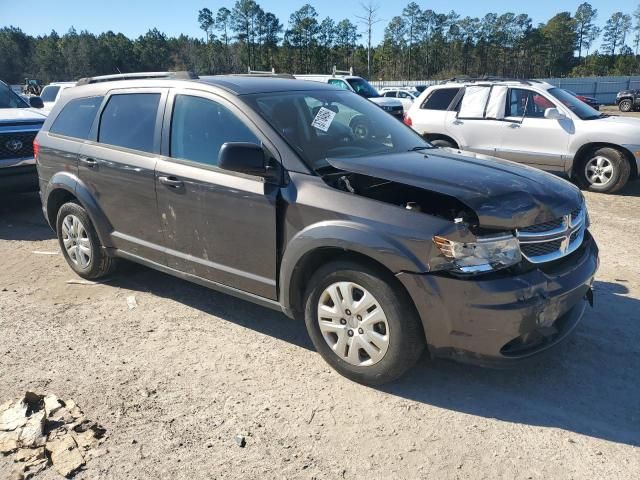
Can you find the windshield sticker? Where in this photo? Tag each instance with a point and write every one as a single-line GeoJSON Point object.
{"type": "Point", "coordinates": [323, 119]}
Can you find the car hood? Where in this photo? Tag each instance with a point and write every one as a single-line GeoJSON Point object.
{"type": "Point", "coordinates": [20, 115]}
{"type": "Point", "coordinates": [503, 194]}
{"type": "Point", "coordinates": [386, 101]}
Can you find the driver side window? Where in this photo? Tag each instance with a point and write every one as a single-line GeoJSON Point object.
{"type": "Point", "coordinates": [526, 103]}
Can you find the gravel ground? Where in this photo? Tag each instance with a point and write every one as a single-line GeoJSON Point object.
{"type": "Point", "coordinates": [177, 378]}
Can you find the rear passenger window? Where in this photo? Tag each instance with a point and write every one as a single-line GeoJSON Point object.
{"type": "Point", "coordinates": [76, 117]}
{"type": "Point", "coordinates": [129, 121]}
{"type": "Point", "coordinates": [200, 126]}
{"type": "Point", "coordinates": [440, 99]}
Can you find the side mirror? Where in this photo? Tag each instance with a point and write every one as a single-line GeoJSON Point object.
{"type": "Point", "coordinates": [243, 157]}
{"type": "Point", "coordinates": [36, 102]}
{"type": "Point", "coordinates": [554, 114]}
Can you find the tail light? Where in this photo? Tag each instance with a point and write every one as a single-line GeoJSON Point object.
{"type": "Point", "coordinates": [407, 120]}
{"type": "Point", "coordinates": [36, 148]}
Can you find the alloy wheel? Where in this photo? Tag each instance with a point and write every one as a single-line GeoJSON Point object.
{"type": "Point", "coordinates": [76, 241]}
{"type": "Point", "coordinates": [599, 171]}
{"type": "Point", "coordinates": [353, 323]}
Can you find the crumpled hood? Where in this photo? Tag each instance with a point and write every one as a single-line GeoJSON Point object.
{"type": "Point", "coordinates": [503, 194]}
{"type": "Point", "coordinates": [15, 115]}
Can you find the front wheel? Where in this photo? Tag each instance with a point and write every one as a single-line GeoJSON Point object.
{"type": "Point", "coordinates": [361, 323]}
{"type": "Point", "coordinates": [604, 170]}
{"type": "Point", "coordinates": [625, 105]}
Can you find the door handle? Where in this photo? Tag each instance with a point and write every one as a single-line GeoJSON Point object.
{"type": "Point", "coordinates": [514, 125]}
{"type": "Point", "coordinates": [171, 182]}
{"type": "Point", "coordinates": [458, 122]}
{"type": "Point", "coordinates": [89, 162]}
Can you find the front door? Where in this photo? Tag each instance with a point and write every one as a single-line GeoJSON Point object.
{"type": "Point", "coordinates": [217, 224]}
{"type": "Point", "coordinates": [528, 137]}
{"type": "Point", "coordinates": [117, 165]}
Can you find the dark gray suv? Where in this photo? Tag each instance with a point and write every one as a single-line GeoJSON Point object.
{"type": "Point", "coordinates": [260, 188]}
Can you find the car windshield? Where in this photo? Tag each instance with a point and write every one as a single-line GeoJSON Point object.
{"type": "Point", "coordinates": [363, 88]}
{"type": "Point", "coordinates": [334, 124]}
{"type": "Point", "coordinates": [581, 109]}
{"type": "Point", "coordinates": [9, 99]}
{"type": "Point", "coordinates": [49, 93]}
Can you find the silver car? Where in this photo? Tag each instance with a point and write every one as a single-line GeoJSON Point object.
{"type": "Point", "coordinates": [534, 123]}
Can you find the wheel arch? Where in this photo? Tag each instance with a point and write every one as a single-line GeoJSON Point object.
{"type": "Point", "coordinates": [64, 187]}
{"type": "Point", "coordinates": [429, 137]}
{"type": "Point", "coordinates": [311, 249]}
{"type": "Point", "coordinates": [584, 150]}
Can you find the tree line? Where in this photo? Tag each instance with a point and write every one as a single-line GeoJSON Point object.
{"type": "Point", "coordinates": [417, 44]}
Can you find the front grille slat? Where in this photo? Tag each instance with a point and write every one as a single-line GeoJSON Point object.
{"type": "Point", "coordinates": [26, 150]}
{"type": "Point", "coordinates": [548, 241]}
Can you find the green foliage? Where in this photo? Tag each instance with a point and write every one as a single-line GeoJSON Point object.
{"type": "Point", "coordinates": [417, 44]}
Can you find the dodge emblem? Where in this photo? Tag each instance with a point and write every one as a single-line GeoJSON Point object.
{"type": "Point", "coordinates": [13, 145]}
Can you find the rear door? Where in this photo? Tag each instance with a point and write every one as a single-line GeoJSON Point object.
{"type": "Point", "coordinates": [430, 117]}
{"type": "Point", "coordinates": [217, 224]}
{"type": "Point", "coordinates": [476, 121]}
{"type": "Point", "coordinates": [118, 167]}
{"type": "Point", "coordinates": [528, 137]}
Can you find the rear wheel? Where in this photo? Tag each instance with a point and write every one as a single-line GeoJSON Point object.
{"type": "Point", "coordinates": [80, 243]}
{"type": "Point", "coordinates": [604, 170]}
{"type": "Point", "coordinates": [362, 324]}
{"type": "Point", "coordinates": [442, 143]}
{"type": "Point", "coordinates": [625, 105]}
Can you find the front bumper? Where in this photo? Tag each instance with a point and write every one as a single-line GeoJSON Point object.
{"type": "Point", "coordinates": [504, 318]}
{"type": "Point", "coordinates": [18, 176]}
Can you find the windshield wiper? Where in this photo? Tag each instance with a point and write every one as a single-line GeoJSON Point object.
{"type": "Point", "coordinates": [421, 147]}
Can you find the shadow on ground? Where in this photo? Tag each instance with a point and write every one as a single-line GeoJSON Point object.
{"type": "Point", "coordinates": [21, 218]}
{"type": "Point", "coordinates": [588, 385]}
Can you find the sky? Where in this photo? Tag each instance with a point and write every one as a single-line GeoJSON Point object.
{"type": "Point", "coordinates": [135, 17]}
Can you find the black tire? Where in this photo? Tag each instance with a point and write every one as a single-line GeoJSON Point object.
{"type": "Point", "coordinates": [406, 337]}
{"type": "Point", "coordinates": [99, 264]}
{"type": "Point", "coordinates": [441, 143]}
{"type": "Point", "coordinates": [619, 177]}
{"type": "Point", "coordinates": [360, 128]}
{"type": "Point", "coordinates": [625, 105]}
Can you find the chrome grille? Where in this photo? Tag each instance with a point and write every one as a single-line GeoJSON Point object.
{"type": "Point", "coordinates": [555, 239]}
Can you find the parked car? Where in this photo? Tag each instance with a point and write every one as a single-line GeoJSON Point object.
{"type": "Point", "coordinates": [19, 124]}
{"type": "Point", "coordinates": [406, 95]}
{"type": "Point", "coordinates": [255, 187]}
{"type": "Point", "coordinates": [347, 81]}
{"type": "Point", "coordinates": [52, 92]}
{"type": "Point", "coordinates": [591, 101]}
{"type": "Point", "coordinates": [534, 123]}
{"type": "Point", "coordinates": [628, 100]}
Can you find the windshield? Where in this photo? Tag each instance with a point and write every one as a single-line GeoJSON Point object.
{"type": "Point", "coordinates": [49, 93]}
{"type": "Point", "coordinates": [334, 124]}
{"type": "Point", "coordinates": [581, 109]}
{"type": "Point", "coordinates": [363, 88]}
{"type": "Point", "coordinates": [8, 99]}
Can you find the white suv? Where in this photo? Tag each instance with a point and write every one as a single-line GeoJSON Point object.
{"type": "Point", "coordinates": [534, 123]}
{"type": "Point", "coordinates": [51, 93]}
{"type": "Point", "coordinates": [406, 95]}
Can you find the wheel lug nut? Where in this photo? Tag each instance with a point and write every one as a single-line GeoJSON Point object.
{"type": "Point", "coordinates": [359, 317]}
{"type": "Point", "coordinates": [343, 321]}
{"type": "Point", "coordinates": [350, 333]}
{"type": "Point", "coordinates": [347, 311]}
{"type": "Point", "coordinates": [360, 331]}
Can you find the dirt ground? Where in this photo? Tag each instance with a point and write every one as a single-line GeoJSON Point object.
{"type": "Point", "coordinates": [175, 379]}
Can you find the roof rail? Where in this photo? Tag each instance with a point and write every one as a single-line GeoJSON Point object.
{"type": "Point", "coordinates": [261, 72]}
{"type": "Point", "coordinates": [138, 76]}
{"type": "Point", "coordinates": [489, 78]}
{"type": "Point", "coordinates": [342, 72]}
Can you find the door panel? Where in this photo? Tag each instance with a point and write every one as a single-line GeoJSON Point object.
{"type": "Point", "coordinates": [121, 179]}
{"type": "Point", "coordinates": [478, 135]}
{"type": "Point", "coordinates": [220, 226]}
{"type": "Point", "coordinates": [528, 137]}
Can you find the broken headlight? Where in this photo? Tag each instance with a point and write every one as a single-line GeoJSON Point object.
{"type": "Point", "coordinates": [483, 255]}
